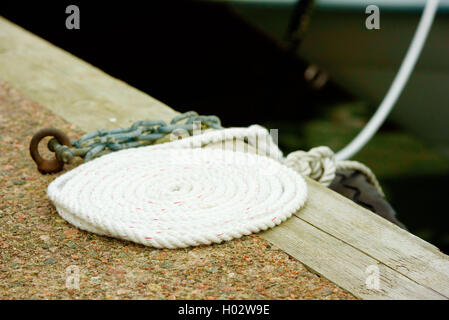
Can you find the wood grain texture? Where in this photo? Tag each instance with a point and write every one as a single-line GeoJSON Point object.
{"type": "Point", "coordinates": [330, 235]}
{"type": "Point", "coordinates": [378, 238]}
{"type": "Point", "coordinates": [343, 264]}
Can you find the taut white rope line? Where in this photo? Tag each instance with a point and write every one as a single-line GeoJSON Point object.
{"type": "Point", "coordinates": [398, 84]}
{"type": "Point", "coordinates": [177, 194]}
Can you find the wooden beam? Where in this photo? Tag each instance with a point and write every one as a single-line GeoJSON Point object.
{"type": "Point", "coordinates": [340, 239]}
{"type": "Point", "coordinates": [330, 235]}
{"type": "Point", "coordinates": [376, 237]}
{"type": "Point", "coordinates": [343, 264]}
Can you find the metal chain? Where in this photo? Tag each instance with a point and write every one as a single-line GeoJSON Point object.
{"type": "Point", "coordinates": [141, 133]}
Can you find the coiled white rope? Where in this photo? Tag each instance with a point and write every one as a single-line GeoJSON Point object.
{"type": "Point", "coordinates": [177, 194]}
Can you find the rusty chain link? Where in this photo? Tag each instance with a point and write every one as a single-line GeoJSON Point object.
{"type": "Point", "coordinates": [101, 142]}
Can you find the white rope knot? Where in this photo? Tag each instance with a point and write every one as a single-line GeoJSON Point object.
{"type": "Point", "coordinates": [317, 163]}
{"type": "Point", "coordinates": [320, 164]}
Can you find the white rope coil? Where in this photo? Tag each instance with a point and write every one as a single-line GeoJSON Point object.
{"type": "Point", "coordinates": [176, 194]}
{"type": "Point", "coordinates": [174, 198]}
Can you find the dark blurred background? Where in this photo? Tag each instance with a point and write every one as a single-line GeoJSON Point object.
{"type": "Point", "coordinates": [196, 55]}
{"type": "Point", "coordinates": [188, 54]}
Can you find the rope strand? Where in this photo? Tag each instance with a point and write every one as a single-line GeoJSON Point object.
{"type": "Point", "coordinates": [177, 194]}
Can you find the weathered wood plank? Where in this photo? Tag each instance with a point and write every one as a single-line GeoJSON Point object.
{"type": "Point", "coordinates": [343, 264]}
{"type": "Point", "coordinates": [70, 87]}
{"type": "Point", "coordinates": [331, 235]}
{"type": "Point", "coordinates": [377, 238]}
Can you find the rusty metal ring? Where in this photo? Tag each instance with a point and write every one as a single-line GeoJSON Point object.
{"type": "Point", "coordinates": [44, 165]}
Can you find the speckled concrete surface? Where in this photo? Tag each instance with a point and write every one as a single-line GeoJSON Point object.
{"type": "Point", "coordinates": [37, 246]}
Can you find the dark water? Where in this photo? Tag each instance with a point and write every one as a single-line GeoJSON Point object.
{"type": "Point", "coordinates": [421, 202]}
{"type": "Point", "coordinates": [200, 56]}
{"type": "Point", "coordinates": [188, 54]}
